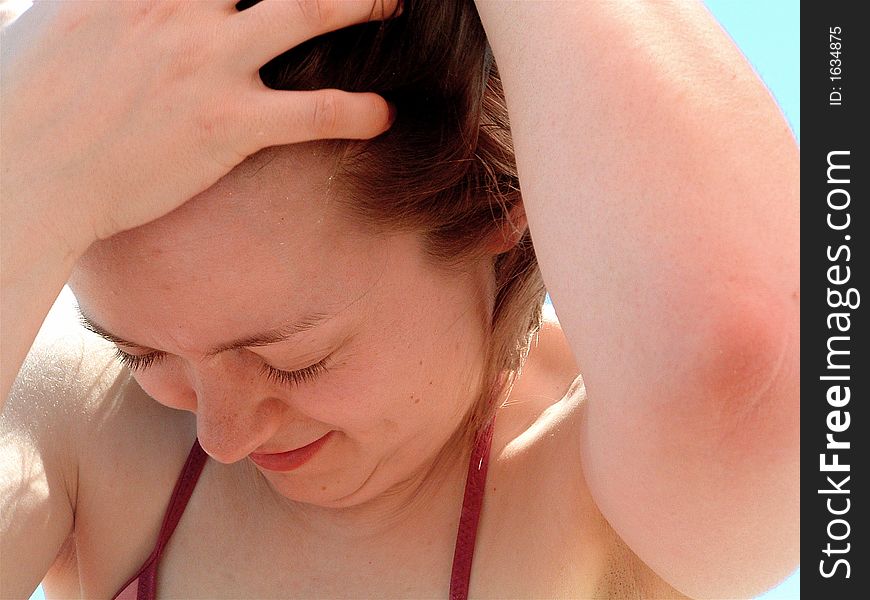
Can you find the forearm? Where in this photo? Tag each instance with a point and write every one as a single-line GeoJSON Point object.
{"type": "Point", "coordinates": [660, 180]}
{"type": "Point", "coordinates": [35, 266]}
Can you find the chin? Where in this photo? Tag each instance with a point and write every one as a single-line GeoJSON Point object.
{"type": "Point", "coordinates": [327, 489]}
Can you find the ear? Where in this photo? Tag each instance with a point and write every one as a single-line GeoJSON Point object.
{"type": "Point", "coordinates": [510, 232]}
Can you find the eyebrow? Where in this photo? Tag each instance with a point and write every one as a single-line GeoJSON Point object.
{"type": "Point", "coordinates": [273, 336]}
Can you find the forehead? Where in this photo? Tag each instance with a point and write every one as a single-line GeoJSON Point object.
{"type": "Point", "coordinates": [268, 238]}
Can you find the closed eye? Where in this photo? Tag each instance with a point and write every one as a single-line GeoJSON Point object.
{"type": "Point", "coordinates": [139, 363]}
{"type": "Point", "coordinates": [297, 377]}
{"type": "Point", "coordinates": [135, 362]}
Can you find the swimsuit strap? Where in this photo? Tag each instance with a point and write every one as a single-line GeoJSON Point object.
{"type": "Point", "coordinates": [463, 554]}
{"type": "Point", "coordinates": [472, 504]}
{"type": "Point", "coordinates": [147, 575]}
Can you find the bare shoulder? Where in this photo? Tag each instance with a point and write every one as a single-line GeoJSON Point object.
{"type": "Point", "coordinates": [64, 372]}
{"type": "Point", "coordinates": [99, 440]}
{"type": "Point", "coordinates": [76, 397]}
{"type": "Point", "coordinates": [546, 397]}
{"type": "Point", "coordinates": [39, 445]}
{"type": "Point", "coordinates": [539, 466]}
{"type": "Point", "coordinates": [540, 535]}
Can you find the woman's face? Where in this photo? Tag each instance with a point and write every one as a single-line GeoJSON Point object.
{"type": "Point", "coordinates": [264, 249]}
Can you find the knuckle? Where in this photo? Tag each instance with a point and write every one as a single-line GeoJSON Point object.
{"type": "Point", "coordinates": [213, 136]}
{"type": "Point", "coordinates": [316, 12]}
{"type": "Point", "coordinates": [325, 117]}
{"type": "Point", "coordinates": [184, 64]}
{"type": "Point", "coordinates": [150, 11]}
{"type": "Point", "coordinates": [66, 17]}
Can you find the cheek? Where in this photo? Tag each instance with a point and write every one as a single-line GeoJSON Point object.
{"type": "Point", "coordinates": [387, 399]}
{"type": "Point", "coordinates": [362, 396]}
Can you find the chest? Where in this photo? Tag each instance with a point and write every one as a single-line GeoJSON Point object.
{"type": "Point", "coordinates": [528, 544]}
{"type": "Point", "coordinates": [540, 534]}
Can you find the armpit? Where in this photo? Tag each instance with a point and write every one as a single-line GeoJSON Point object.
{"type": "Point", "coordinates": [629, 578]}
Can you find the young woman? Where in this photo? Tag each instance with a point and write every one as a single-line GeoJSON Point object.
{"type": "Point", "coordinates": [299, 227]}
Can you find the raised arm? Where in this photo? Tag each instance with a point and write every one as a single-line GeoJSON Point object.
{"type": "Point", "coordinates": [661, 186]}
{"type": "Point", "coordinates": [73, 122]}
{"type": "Point", "coordinates": [88, 151]}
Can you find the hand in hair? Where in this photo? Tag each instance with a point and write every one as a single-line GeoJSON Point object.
{"type": "Point", "coordinates": [116, 113]}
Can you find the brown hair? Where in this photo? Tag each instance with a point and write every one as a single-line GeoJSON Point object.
{"type": "Point", "coordinates": [446, 167]}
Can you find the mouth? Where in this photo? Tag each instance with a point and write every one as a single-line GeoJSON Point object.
{"type": "Point", "coordinates": [291, 460]}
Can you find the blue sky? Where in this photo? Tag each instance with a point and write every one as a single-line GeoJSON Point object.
{"type": "Point", "coordinates": [768, 33]}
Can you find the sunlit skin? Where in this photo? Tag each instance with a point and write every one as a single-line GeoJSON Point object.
{"type": "Point", "coordinates": [669, 255]}
{"type": "Point", "coordinates": [261, 249]}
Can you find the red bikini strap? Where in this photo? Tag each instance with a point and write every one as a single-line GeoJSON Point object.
{"type": "Point", "coordinates": [184, 486]}
{"type": "Point", "coordinates": [475, 486]}
{"type": "Point", "coordinates": [182, 493]}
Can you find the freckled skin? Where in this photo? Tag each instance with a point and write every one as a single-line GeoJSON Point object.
{"type": "Point", "coordinates": [261, 248]}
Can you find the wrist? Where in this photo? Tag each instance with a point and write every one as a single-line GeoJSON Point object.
{"type": "Point", "coordinates": [36, 262]}
{"type": "Point", "coordinates": [30, 227]}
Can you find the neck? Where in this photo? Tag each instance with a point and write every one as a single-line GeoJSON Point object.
{"type": "Point", "coordinates": [432, 492]}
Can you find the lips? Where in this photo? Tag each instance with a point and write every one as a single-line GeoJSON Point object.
{"type": "Point", "coordinates": [289, 461]}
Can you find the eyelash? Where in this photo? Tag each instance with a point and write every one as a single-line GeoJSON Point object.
{"type": "Point", "coordinates": [137, 363]}
{"type": "Point", "coordinates": [298, 377]}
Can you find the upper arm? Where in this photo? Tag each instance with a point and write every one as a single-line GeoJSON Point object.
{"type": "Point", "coordinates": [36, 508]}
{"type": "Point", "coordinates": [39, 433]}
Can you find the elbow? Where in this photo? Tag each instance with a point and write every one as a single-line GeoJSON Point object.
{"type": "Point", "coordinates": [752, 444]}
{"type": "Point", "coordinates": [752, 360]}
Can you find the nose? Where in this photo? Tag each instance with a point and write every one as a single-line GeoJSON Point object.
{"type": "Point", "coordinates": [234, 416]}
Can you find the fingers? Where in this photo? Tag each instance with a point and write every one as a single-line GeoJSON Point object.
{"type": "Point", "coordinates": [271, 27]}
{"type": "Point", "coordinates": [276, 117]}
